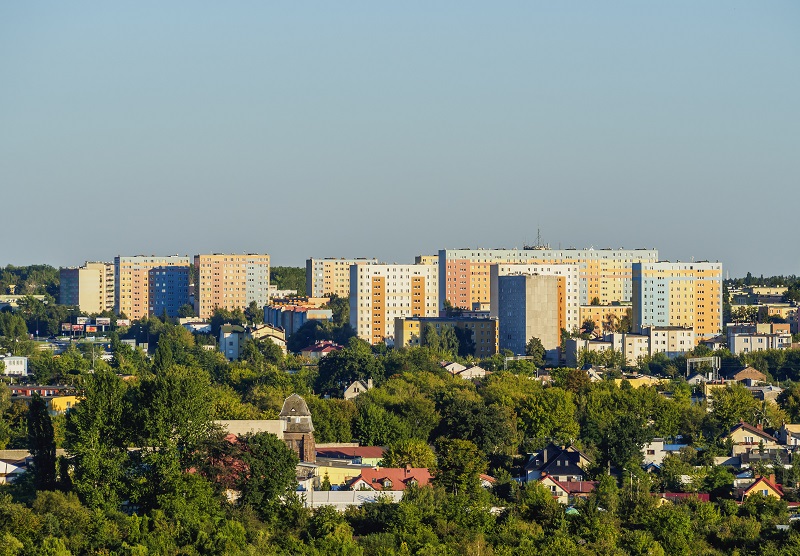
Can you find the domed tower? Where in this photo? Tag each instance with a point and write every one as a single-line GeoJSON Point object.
{"type": "Point", "coordinates": [299, 430]}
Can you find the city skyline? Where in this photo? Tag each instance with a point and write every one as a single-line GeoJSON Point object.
{"type": "Point", "coordinates": [364, 130]}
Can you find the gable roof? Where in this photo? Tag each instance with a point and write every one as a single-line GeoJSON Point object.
{"type": "Point", "coordinates": [400, 477]}
{"type": "Point", "coordinates": [750, 428]}
{"type": "Point", "coordinates": [548, 456]}
{"type": "Point", "coordinates": [572, 487]}
{"type": "Point", "coordinates": [766, 482]}
{"type": "Point", "coordinates": [749, 372]}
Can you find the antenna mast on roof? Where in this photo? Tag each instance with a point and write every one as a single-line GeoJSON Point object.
{"type": "Point", "coordinates": [539, 245]}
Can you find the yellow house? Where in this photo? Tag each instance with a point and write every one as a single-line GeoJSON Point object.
{"type": "Point", "coordinates": [765, 487]}
{"type": "Point", "coordinates": [61, 404]}
{"type": "Point", "coordinates": [746, 438]}
{"type": "Point", "coordinates": [337, 474]}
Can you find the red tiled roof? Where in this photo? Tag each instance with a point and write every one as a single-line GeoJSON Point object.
{"type": "Point", "coordinates": [400, 477]}
{"type": "Point", "coordinates": [351, 452]}
{"type": "Point", "coordinates": [573, 487]}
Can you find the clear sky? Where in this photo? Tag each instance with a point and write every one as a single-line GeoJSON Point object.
{"type": "Point", "coordinates": [390, 129]}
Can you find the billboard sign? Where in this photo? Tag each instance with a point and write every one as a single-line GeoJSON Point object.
{"type": "Point", "coordinates": [81, 320]}
{"type": "Point", "coordinates": [66, 327]}
{"type": "Point", "coordinates": [91, 328]}
{"type": "Point", "coordinates": [103, 321]}
{"type": "Point", "coordinates": [123, 322]}
{"type": "Point", "coordinates": [77, 328]}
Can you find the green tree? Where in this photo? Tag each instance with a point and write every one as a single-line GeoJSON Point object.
{"type": "Point", "coordinates": [41, 443]}
{"type": "Point", "coordinates": [340, 307]}
{"type": "Point", "coordinates": [185, 311]}
{"type": "Point", "coordinates": [254, 314]}
{"type": "Point", "coordinates": [732, 404]}
{"type": "Point", "coordinates": [96, 439]}
{"type": "Point", "coordinates": [549, 414]}
{"type": "Point", "coordinates": [14, 334]}
{"type": "Point", "coordinates": [339, 369]}
{"type": "Point", "coordinates": [270, 473]}
{"type": "Point", "coordinates": [289, 278]}
{"type": "Point", "coordinates": [535, 349]}
{"type": "Point", "coordinates": [410, 451]}
{"type": "Point", "coordinates": [460, 464]}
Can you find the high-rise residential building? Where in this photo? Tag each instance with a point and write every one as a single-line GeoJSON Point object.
{"type": "Point", "coordinates": [687, 295]}
{"type": "Point", "coordinates": [528, 307]}
{"type": "Point", "coordinates": [132, 282]}
{"type": "Point", "coordinates": [568, 288]}
{"type": "Point", "coordinates": [331, 276]}
{"type": "Point", "coordinates": [89, 287]}
{"type": "Point", "coordinates": [230, 281]}
{"type": "Point", "coordinates": [380, 293]}
{"type": "Point", "coordinates": [169, 290]}
{"type": "Point", "coordinates": [485, 332]}
{"type": "Point", "coordinates": [604, 274]}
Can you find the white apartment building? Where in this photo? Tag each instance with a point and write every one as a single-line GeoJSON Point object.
{"type": "Point", "coordinates": [748, 343]}
{"type": "Point", "coordinates": [380, 293]}
{"type": "Point", "coordinates": [672, 340]}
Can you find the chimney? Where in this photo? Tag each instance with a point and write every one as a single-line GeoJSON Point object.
{"type": "Point", "coordinates": [369, 384]}
{"type": "Point", "coordinates": [760, 427]}
{"type": "Point", "coordinates": [771, 478]}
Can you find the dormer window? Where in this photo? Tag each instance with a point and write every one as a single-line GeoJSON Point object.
{"type": "Point", "coordinates": [387, 483]}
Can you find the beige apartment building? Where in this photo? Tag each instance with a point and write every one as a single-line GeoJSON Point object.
{"type": "Point", "coordinates": [132, 282]}
{"type": "Point", "coordinates": [89, 287]}
{"type": "Point", "coordinates": [686, 295]}
{"type": "Point", "coordinates": [380, 293]}
{"type": "Point", "coordinates": [230, 281]}
{"type": "Point", "coordinates": [331, 276]}
{"type": "Point", "coordinates": [605, 274]}
{"type": "Point", "coordinates": [568, 288]}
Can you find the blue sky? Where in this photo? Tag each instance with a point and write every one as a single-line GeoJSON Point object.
{"type": "Point", "coordinates": [387, 130]}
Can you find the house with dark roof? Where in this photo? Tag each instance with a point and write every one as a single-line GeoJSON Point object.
{"type": "Point", "coordinates": [563, 463]}
{"type": "Point", "coordinates": [746, 438]}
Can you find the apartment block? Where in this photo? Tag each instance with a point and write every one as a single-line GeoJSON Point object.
{"type": "Point", "coordinates": [331, 276]}
{"type": "Point", "coordinates": [528, 306]}
{"type": "Point", "coordinates": [568, 288]}
{"type": "Point", "coordinates": [89, 287]}
{"type": "Point", "coordinates": [380, 293]}
{"type": "Point", "coordinates": [748, 343]}
{"type": "Point", "coordinates": [169, 290]}
{"type": "Point", "coordinates": [230, 281]}
{"type": "Point", "coordinates": [671, 340]}
{"type": "Point", "coordinates": [686, 295]}
{"type": "Point", "coordinates": [485, 332]}
{"type": "Point", "coordinates": [604, 274]}
{"type": "Point", "coordinates": [132, 281]}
